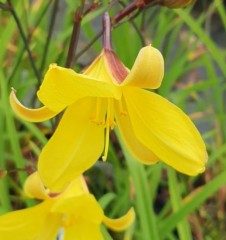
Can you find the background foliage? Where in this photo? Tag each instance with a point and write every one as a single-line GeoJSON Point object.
{"type": "Point", "coordinates": [169, 205]}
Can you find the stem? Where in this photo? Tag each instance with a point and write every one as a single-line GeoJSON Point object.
{"type": "Point", "coordinates": [4, 186]}
{"type": "Point", "coordinates": [183, 226]}
{"type": "Point", "coordinates": [125, 12]}
{"type": "Point", "coordinates": [50, 32]}
{"type": "Point", "coordinates": [117, 18]}
{"type": "Point", "coordinates": [134, 25]}
{"type": "Point", "coordinates": [137, 4]}
{"type": "Point", "coordinates": [21, 54]}
{"type": "Point", "coordinates": [143, 202]}
{"type": "Point", "coordinates": [13, 134]}
{"type": "Point", "coordinates": [5, 7]}
{"type": "Point", "coordinates": [107, 32]}
{"type": "Point", "coordinates": [75, 35]}
{"type": "Point", "coordinates": [26, 44]}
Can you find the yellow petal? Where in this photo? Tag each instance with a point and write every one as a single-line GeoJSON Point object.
{"type": "Point", "coordinates": [166, 130]}
{"type": "Point", "coordinates": [32, 115]}
{"type": "Point", "coordinates": [83, 230]}
{"type": "Point", "coordinates": [25, 224]}
{"type": "Point", "coordinates": [115, 67]}
{"type": "Point", "coordinates": [148, 69]}
{"type": "Point", "coordinates": [61, 87]}
{"type": "Point", "coordinates": [50, 229]}
{"type": "Point", "coordinates": [75, 146]}
{"type": "Point", "coordinates": [99, 70]}
{"type": "Point", "coordinates": [76, 188]}
{"type": "Point", "coordinates": [121, 223]}
{"type": "Point", "coordinates": [81, 207]}
{"type": "Point", "coordinates": [140, 152]}
{"type": "Point", "coordinates": [34, 188]}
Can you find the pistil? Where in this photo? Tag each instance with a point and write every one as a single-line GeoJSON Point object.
{"type": "Point", "coordinates": [109, 125]}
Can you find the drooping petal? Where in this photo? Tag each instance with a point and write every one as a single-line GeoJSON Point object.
{"type": "Point", "coordinates": [75, 146]}
{"type": "Point", "coordinates": [27, 223]}
{"type": "Point", "coordinates": [34, 188]}
{"type": "Point", "coordinates": [61, 87]}
{"type": "Point", "coordinates": [121, 223]}
{"type": "Point", "coordinates": [148, 69]}
{"type": "Point", "coordinates": [139, 151]}
{"type": "Point", "coordinates": [166, 130]}
{"type": "Point", "coordinates": [31, 115]}
{"type": "Point", "coordinates": [83, 230]}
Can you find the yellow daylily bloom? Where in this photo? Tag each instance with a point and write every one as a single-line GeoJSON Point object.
{"type": "Point", "coordinates": [75, 211]}
{"type": "Point", "coordinates": [106, 95]}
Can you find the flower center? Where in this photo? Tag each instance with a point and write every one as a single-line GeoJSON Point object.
{"type": "Point", "coordinates": [104, 115]}
{"type": "Point", "coordinates": [67, 221]}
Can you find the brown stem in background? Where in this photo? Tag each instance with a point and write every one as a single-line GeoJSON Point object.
{"type": "Point", "coordinates": [25, 40]}
{"type": "Point", "coordinates": [75, 35]}
{"type": "Point", "coordinates": [92, 7]}
{"type": "Point", "coordinates": [5, 6]}
{"type": "Point", "coordinates": [125, 12]}
{"type": "Point", "coordinates": [50, 32]}
{"type": "Point", "coordinates": [29, 36]}
{"type": "Point", "coordinates": [137, 4]}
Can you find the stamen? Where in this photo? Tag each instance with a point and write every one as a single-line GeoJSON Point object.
{"type": "Point", "coordinates": [104, 115]}
{"type": "Point", "coordinates": [98, 117]}
{"type": "Point", "coordinates": [109, 126]}
{"type": "Point", "coordinates": [122, 110]}
{"type": "Point", "coordinates": [106, 146]}
{"type": "Point", "coordinates": [67, 221]}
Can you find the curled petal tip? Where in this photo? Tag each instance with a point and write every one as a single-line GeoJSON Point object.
{"type": "Point", "coordinates": [34, 188]}
{"type": "Point", "coordinates": [31, 115]}
{"type": "Point", "coordinates": [148, 69]}
{"type": "Point", "coordinates": [121, 223]}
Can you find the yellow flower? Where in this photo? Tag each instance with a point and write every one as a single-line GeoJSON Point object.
{"type": "Point", "coordinates": [105, 96]}
{"type": "Point", "coordinates": [75, 212]}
